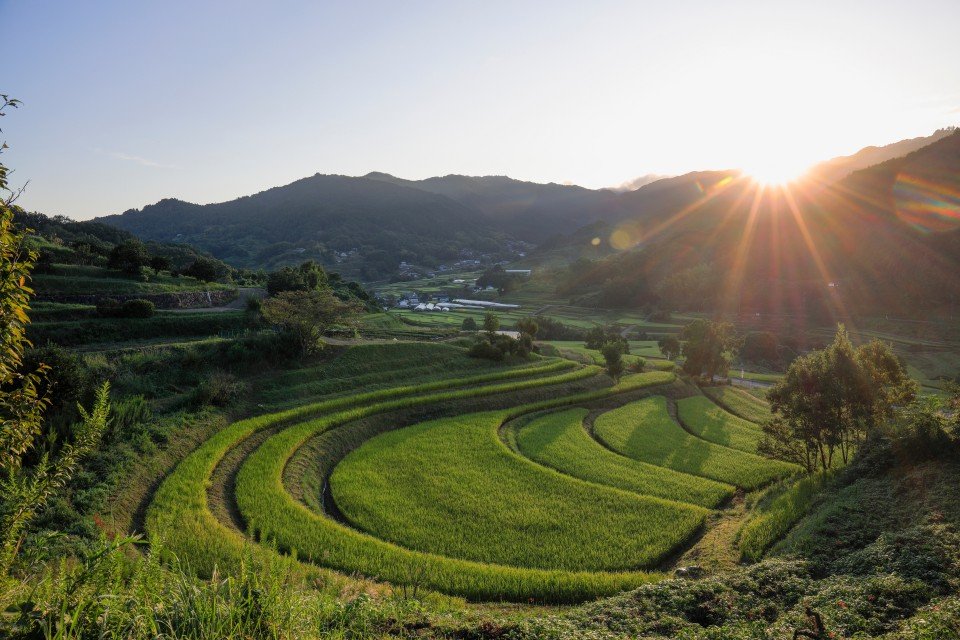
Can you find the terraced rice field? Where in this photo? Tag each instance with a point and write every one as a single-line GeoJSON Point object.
{"type": "Point", "coordinates": [451, 487]}
{"type": "Point", "coordinates": [644, 431]}
{"type": "Point", "coordinates": [703, 418]}
{"type": "Point", "coordinates": [560, 441]}
{"type": "Point", "coordinates": [440, 499]}
{"type": "Point", "coordinates": [740, 403]}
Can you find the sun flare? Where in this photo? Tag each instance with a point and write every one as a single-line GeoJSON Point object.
{"type": "Point", "coordinates": [776, 171]}
{"type": "Point", "coordinates": [773, 172]}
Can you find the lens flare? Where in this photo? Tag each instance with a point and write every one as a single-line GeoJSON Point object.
{"type": "Point", "coordinates": [927, 204]}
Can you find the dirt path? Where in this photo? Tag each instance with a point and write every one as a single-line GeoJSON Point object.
{"type": "Point", "coordinates": [716, 550]}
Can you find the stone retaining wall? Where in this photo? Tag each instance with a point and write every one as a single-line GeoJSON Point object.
{"type": "Point", "coordinates": [177, 300]}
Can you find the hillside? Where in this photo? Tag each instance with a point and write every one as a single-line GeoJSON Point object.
{"type": "Point", "coordinates": [842, 166]}
{"type": "Point", "coordinates": [317, 216]}
{"type": "Point", "coordinates": [527, 210]}
{"type": "Point", "coordinates": [886, 237]}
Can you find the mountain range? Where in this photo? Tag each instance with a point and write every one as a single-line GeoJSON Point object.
{"type": "Point", "coordinates": [884, 212]}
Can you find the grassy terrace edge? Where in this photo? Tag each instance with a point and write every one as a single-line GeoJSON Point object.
{"type": "Point", "coordinates": [179, 518]}
{"type": "Point", "coordinates": [276, 516]}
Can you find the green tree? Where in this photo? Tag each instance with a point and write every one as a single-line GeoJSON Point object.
{"type": "Point", "coordinates": [598, 336]}
{"type": "Point", "coordinates": [207, 270]}
{"type": "Point", "coordinates": [490, 322]}
{"type": "Point", "coordinates": [468, 324]}
{"type": "Point", "coordinates": [30, 474]}
{"type": "Point", "coordinates": [528, 326]}
{"type": "Point", "coordinates": [306, 277]}
{"type": "Point", "coordinates": [307, 315]}
{"type": "Point", "coordinates": [669, 347]}
{"type": "Point", "coordinates": [833, 399]}
{"type": "Point", "coordinates": [613, 359]}
{"type": "Point", "coordinates": [708, 347]}
{"type": "Point", "coordinates": [129, 256]}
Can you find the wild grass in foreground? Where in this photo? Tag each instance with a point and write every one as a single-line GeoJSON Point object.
{"type": "Point", "coordinates": [643, 430]}
{"type": "Point", "coordinates": [777, 513]}
{"type": "Point", "coordinates": [559, 441]}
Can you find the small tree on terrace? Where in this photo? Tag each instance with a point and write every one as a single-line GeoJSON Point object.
{"type": "Point", "coordinates": [528, 326]}
{"type": "Point", "coordinates": [490, 322]}
{"type": "Point", "coordinates": [613, 358]}
{"type": "Point", "coordinates": [669, 347]}
{"type": "Point", "coordinates": [468, 324]}
{"type": "Point", "coordinates": [307, 315]}
{"type": "Point", "coordinates": [708, 347]}
{"type": "Point", "coordinates": [833, 399]}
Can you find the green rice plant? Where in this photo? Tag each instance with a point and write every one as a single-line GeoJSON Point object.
{"type": "Point", "coordinates": [560, 441]}
{"type": "Point", "coordinates": [705, 419]}
{"type": "Point", "coordinates": [179, 509]}
{"type": "Point", "coordinates": [643, 430]}
{"type": "Point", "coordinates": [481, 501]}
{"type": "Point", "coordinates": [276, 516]}
{"type": "Point", "coordinates": [740, 403]}
{"type": "Point", "coordinates": [773, 518]}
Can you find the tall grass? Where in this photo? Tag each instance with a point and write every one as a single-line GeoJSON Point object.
{"type": "Point", "coordinates": [560, 441]}
{"type": "Point", "coordinates": [451, 487]}
{"type": "Point", "coordinates": [774, 517]}
{"type": "Point", "coordinates": [644, 431]}
{"type": "Point", "coordinates": [276, 516]}
{"type": "Point", "coordinates": [705, 419]}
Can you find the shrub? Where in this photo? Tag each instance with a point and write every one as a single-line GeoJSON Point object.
{"type": "Point", "coordinates": [138, 308]}
{"type": "Point", "coordinates": [469, 324]}
{"type": "Point", "coordinates": [219, 389]}
{"type": "Point", "coordinates": [486, 350]}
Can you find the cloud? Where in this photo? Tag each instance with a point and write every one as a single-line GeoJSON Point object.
{"type": "Point", "coordinates": [140, 160]}
{"type": "Point", "coordinates": [636, 183]}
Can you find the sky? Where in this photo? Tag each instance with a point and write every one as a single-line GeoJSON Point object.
{"type": "Point", "coordinates": [126, 103]}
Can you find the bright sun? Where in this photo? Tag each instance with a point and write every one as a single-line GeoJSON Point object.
{"type": "Point", "coordinates": [776, 171]}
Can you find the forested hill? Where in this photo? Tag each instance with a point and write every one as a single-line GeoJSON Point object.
{"type": "Point", "coordinates": [883, 240]}
{"type": "Point", "coordinates": [318, 215]}
{"type": "Point", "coordinates": [527, 210]}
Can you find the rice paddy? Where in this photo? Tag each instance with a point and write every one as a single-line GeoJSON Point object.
{"type": "Point", "coordinates": [643, 430]}
{"type": "Point", "coordinates": [443, 501]}
{"type": "Point", "coordinates": [703, 418]}
{"type": "Point", "coordinates": [560, 441]}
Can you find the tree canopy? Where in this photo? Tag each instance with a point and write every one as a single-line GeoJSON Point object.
{"type": "Point", "coordinates": [832, 399]}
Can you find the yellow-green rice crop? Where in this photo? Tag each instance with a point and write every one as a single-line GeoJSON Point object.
{"type": "Point", "coordinates": [559, 440]}
{"type": "Point", "coordinates": [705, 419]}
{"type": "Point", "coordinates": [644, 430]}
{"type": "Point", "coordinates": [740, 403]}
{"type": "Point", "coordinates": [451, 487]}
